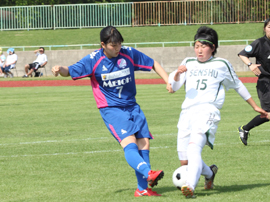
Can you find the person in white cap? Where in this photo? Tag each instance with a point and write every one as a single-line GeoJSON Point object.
{"type": "Point", "coordinates": [10, 63]}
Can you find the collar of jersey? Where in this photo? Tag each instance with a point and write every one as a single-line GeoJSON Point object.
{"type": "Point", "coordinates": [206, 60]}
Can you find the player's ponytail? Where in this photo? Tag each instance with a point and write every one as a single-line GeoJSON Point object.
{"type": "Point", "coordinates": [208, 36]}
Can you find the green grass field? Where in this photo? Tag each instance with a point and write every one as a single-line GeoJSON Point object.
{"type": "Point", "coordinates": [54, 147]}
{"type": "Point", "coordinates": [130, 34]}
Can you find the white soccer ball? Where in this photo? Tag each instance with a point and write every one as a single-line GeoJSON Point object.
{"type": "Point", "coordinates": [179, 177]}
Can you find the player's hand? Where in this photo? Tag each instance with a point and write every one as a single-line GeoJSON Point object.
{"type": "Point", "coordinates": [181, 69]}
{"type": "Point", "coordinates": [255, 69]}
{"type": "Point", "coordinates": [56, 70]}
{"type": "Point", "coordinates": [263, 113]}
{"type": "Point", "coordinates": [169, 88]}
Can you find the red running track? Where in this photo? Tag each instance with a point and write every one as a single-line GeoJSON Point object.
{"type": "Point", "coordinates": [87, 82]}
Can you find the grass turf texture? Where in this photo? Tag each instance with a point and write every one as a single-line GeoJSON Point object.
{"type": "Point", "coordinates": [130, 34]}
{"type": "Point", "coordinates": [55, 147]}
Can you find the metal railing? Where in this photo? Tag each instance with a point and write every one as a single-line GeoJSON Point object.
{"type": "Point", "coordinates": [92, 15]}
{"type": "Point", "coordinates": [200, 12]}
{"type": "Point", "coordinates": [133, 14]}
{"type": "Point", "coordinates": [26, 17]}
{"type": "Point", "coordinates": [135, 45]}
{"type": "Point", "coordinates": [65, 16]}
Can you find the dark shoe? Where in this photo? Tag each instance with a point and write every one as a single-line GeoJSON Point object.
{"type": "Point", "coordinates": [209, 183]}
{"type": "Point", "coordinates": [243, 135]}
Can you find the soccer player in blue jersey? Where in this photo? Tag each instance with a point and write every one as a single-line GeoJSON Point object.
{"type": "Point", "coordinates": [111, 70]}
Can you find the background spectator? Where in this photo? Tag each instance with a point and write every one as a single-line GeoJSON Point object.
{"type": "Point", "coordinates": [10, 63]}
{"type": "Point", "coordinates": [40, 61]}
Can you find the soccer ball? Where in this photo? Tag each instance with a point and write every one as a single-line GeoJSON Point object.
{"type": "Point", "coordinates": [179, 177]}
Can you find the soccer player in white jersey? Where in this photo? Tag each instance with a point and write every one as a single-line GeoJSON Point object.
{"type": "Point", "coordinates": [111, 70]}
{"type": "Point", "coordinates": [205, 78]}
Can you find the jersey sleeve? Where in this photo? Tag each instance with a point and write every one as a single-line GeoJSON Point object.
{"type": "Point", "coordinates": [45, 58]}
{"type": "Point", "coordinates": [82, 68]}
{"type": "Point", "coordinates": [176, 85]}
{"type": "Point", "coordinates": [251, 50]}
{"type": "Point", "coordinates": [231, 80]}
{"type": "Point", "coordinates": [141, 61]}
{"type": "Point", "coordinates": [15, 58]}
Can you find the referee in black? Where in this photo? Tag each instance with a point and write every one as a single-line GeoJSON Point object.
{"type": "Point", "coordinates": [260, 49]}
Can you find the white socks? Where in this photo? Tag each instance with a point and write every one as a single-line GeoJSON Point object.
{"type": "Point", "coordinates": [195, 165]}
{"type": "Point", "coordinates": [206, 171]}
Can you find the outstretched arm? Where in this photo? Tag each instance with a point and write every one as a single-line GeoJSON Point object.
{"type": "Point", "coordinates": [252, 103]}
{"type": "Point", "coordinates": [161, 72]}
{"type": "Point", "coordinates": [62, 70]}
{"type": "Point", "coordinates": [243, 92]}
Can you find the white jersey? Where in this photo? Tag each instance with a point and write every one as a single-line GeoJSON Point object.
{"type": "Point", "coordinates": [11, 59]}
{"type": "Point", "coordinates": [204, 81]}
{"type": "Point", "coordinates": [41, 58]}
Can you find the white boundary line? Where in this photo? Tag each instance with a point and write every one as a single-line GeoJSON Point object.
{"type": "Point", "coordinates": [100, 138]}
{"type": "Point", "coordinates": [100, 151]}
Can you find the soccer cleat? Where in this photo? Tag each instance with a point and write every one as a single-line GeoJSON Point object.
{"type": "Point", "coordinates": [187, 191]}
{"type": "Point", "coordinates": [154, 177]}
{"type": "Point", "coordinates": [145, 192]}
{"type": "Point", "coordinates": [243, 135]}
{"type": "Point", "coordinates": [209, 183]}
{"type": "Point", "coordinates": [24, 76]}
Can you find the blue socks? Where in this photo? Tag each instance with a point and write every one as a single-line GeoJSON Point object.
{"type": "Point", "coordinates": [141, 180]}
{"type": "Point", "coordinates": [135, 160]}
{"type": "Point", "coordinates": [139, 161]}
{"type": "Point", "coordinates": [145, 155]}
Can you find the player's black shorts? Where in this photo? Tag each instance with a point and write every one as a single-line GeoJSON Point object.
{"type": "Point", "coordinates": [263, 90]}
{"type": "Point", "coordinates": [34, 66]}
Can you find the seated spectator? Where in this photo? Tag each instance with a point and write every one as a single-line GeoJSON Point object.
{"type": "Point", "coordinates": [2, 61]}
{"type": "Point", "coordinates": [40, 61]}
{"type": "Point", "coordinates": [10, 63]}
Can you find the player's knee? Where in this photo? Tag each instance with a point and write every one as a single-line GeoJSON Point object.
{"type": "Point", "coordinates": [143, 143]}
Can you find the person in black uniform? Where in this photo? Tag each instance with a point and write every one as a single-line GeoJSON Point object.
{"type": "Point", "coordinates": [260, 49]}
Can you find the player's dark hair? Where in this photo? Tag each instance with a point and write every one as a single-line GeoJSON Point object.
{"type": "Point", "coordinates": [207, 36]}
{"type": "Point", "coordinates": [42, 49]}
{"type": "Point", "coordinates": [266, 22]}
{"type": "Point", "coordinates": [110, 34]}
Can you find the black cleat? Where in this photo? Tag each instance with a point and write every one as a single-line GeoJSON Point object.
{"type": "Point", "coordinates": [243, 135]}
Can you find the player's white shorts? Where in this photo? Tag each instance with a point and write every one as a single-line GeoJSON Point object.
{"type": "Point", "coordinates": [197, 120]}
